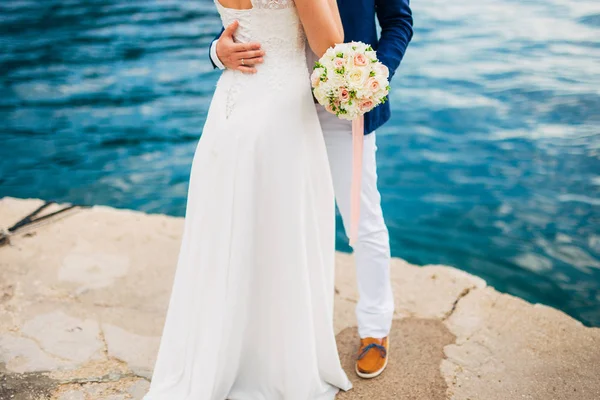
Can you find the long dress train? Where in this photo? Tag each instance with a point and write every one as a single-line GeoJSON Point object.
{"type": "Point", "coordinates": [251, 311]}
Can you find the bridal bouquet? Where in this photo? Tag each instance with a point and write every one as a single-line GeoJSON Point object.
{"type": "Point", "coordinates": [349, 81]}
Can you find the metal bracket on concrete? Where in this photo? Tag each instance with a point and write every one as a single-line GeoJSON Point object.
{"type": "Point", "coordinates": [31, 220]}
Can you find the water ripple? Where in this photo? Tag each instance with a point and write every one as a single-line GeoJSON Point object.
{"type": "Point", "coordinates": [490, 162]}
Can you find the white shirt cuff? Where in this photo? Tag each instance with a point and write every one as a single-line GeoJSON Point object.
{"type": "Point", "coordinates": [213, 55]}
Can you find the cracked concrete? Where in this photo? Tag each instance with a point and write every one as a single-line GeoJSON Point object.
{"type": "Point", "coordinates": [83, 300]}
{"type": "Point", "coordinates": [507, 348]}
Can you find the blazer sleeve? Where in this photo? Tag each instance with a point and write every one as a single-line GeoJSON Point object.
{"type": "Point", "coordinates": [210, 46]}
{"type": "Point", "coordinates": [395, 19]}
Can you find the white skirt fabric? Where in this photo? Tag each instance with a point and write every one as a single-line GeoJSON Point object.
{"type": "Point", "coordinates": [251, 311]}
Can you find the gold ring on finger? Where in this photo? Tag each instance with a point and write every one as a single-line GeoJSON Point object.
{"type": "Point", "coordinates": [243, 62]}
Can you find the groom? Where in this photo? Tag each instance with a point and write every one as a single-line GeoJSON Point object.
{"type": "Point", "coordinates": [372, 249]}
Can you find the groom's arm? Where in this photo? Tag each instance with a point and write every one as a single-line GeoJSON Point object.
{"type": "Point", "coordinates": [225, 53]}
{"type": "Point", "coordinates": [212, 52]}
{"type": "Point", "coordinates": [395, 19]}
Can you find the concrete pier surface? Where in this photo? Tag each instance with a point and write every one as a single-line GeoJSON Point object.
{"type": "Point", "coordinates": [83, 300]}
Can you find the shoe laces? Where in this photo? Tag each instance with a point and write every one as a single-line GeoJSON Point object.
{"type": "Point", "coordinates": [379, 347]}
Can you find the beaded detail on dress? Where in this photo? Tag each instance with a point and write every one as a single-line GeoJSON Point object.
{"type": "Point", "coordinates": [273, 4]}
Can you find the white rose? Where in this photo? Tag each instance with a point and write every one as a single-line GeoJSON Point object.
{"type": "Point", "coordinates": [356, 77]}
{"type": "Point", "coordinates": [359, 46]}
{"type": "Point", "coordinates": [335, 79]}
{"type": "Point", "coordinates": [315, 77]}
{"type": "Point", "coordinates": [330, 53]}
{"type": "Point", "coordinates": [371, 55]}
{"type": "Point", "coordinates": [363, 92]}
{"type": "Point", "coordinates": [320, 93]}
{"type": "Point", "coordinates": [381, 71]}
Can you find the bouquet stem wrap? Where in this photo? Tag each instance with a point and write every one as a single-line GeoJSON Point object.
{"type": "Point", "coordinates": [358, 126]}
{"type": "Point", "coordinates": [349, 81]}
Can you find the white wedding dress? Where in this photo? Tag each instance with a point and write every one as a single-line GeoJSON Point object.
{"type": "Point", "coordinates": [251, 312]}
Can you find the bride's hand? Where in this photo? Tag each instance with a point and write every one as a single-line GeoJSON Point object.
{"type": "Point", "coordinates": [241, 56]}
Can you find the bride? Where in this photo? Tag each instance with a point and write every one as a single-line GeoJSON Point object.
{"type": "Point", "coordinates": [251, 311]}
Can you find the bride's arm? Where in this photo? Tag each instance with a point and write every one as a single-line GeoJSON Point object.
{"type": "Point", "coordinates": [322, 23]}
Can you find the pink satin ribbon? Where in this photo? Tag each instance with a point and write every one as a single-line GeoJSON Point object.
{"type": "Point", "coordinates": [358, 127]}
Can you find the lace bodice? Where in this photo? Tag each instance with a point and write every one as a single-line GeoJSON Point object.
{"type": "Point", "coordinates": [273, 4]}
{"type": "Point", "coordinates": [276, 26]}
{"type": "Point", "coordinates": [272, 23]}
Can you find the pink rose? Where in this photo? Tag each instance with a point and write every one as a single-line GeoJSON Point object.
{"type": "Point", "coordinates": [382, 70]}
{"type": "Point", "coordinates": [365, 105]}
{"type": "Point", "coordinates": [360, 60]}
{"type": "Point", "coordinates": [339, 62]}
{"type": "Point", "coordinates": [315, 78]}
{"type": "Point", "coordinates": [344, 94]}
{"type": "Point", "coordinates": [373, 84]}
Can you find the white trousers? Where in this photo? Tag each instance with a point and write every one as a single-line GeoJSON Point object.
{"type": "Point", "coordinates": [375, 307]}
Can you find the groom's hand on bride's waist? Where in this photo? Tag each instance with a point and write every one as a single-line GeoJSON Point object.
{"type": "Point", "coordinates": [238, 56]}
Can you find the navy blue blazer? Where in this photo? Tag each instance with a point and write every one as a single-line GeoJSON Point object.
{"type": "Point", "coordinates": [395, 20]}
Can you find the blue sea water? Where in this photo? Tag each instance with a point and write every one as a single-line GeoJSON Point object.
{"type": "Point", "coordinates": [490, 163]}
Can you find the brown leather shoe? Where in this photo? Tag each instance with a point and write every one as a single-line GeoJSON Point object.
{"type": "Point", "coordinates": [372, 357]}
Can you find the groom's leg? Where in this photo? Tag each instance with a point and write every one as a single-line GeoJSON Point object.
{"type": "Point", "coordinates": [372, 249]}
